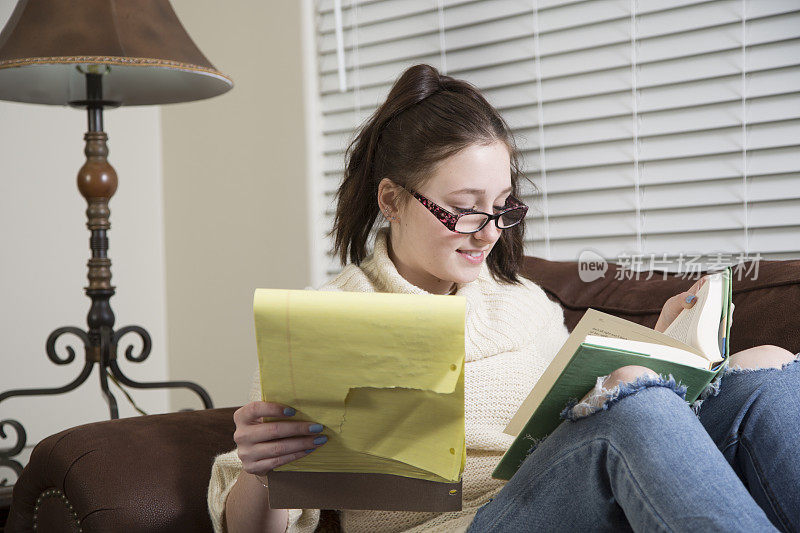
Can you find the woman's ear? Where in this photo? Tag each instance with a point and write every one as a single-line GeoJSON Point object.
{"type": "Point", "coordinates": [389, 198]}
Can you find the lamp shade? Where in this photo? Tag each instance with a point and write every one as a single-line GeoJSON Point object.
{"type": "Point", "coordinates": [148, 58]}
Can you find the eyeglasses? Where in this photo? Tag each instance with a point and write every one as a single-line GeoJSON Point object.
{"type": "Point", "coordinates": [471, 221]}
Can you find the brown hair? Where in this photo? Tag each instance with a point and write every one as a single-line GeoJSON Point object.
{"type": "Point", "coordinates": [426, 118]}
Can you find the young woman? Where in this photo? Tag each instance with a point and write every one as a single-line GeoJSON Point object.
{"type": "Point", "coordinates": [440, 165]}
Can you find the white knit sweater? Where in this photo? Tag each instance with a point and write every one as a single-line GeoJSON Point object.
{"type": "Point", "coordinates": [512, 334]}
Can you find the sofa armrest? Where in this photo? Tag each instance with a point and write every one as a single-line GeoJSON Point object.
{"type": "Point", "coordinates": [147, 473]}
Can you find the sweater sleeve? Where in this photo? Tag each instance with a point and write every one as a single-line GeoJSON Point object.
{"type": "Point", "coordinates": [224, 473]}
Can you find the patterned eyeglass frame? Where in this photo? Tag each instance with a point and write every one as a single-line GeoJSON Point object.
{"type": "Point", "coordinates": [450, 219]}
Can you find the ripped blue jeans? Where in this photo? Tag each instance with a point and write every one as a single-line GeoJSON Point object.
{"type": "Point", "coordinates": [646, 462]}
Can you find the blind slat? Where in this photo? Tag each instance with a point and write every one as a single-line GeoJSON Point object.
{"type": "Point", "coordinates": [725, 193]}
{"type": "Point", "coordinates": [763, 240]}
{"type": "Point", "coordinates": [675, 193]}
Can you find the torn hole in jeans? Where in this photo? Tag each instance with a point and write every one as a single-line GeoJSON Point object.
{"type": "Point", "coordinates": [601, 399]}
{"type": "Point", "coordinates": [736, 369]}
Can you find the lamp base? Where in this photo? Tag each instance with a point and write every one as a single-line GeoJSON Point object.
{"type": "Point", "coordinates": [107, 363]}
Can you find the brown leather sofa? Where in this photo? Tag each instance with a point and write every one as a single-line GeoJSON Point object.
{"type": "Point", "coordinates": [150, 473]}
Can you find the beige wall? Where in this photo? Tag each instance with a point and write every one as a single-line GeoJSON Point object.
{"type": "Point", "coordinates": [235, 192]}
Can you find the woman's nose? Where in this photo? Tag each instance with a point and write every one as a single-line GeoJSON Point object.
{"type": "Point", "coordinates": [489, 233]}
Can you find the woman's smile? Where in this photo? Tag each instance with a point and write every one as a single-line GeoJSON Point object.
{"type": "Point", "coordinates": [475, 257]}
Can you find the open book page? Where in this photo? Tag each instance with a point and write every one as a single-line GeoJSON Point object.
{"type": "Point", "coordinates": [593, 322]}
{"type": "Point", "coordinates": [683, 325]}
{"type": "Point", "coordinates": [657, 351]}
{"type": "Point", "coordinates": [699, 326]}
{"type": "Point", "coordinates": [601, 324]}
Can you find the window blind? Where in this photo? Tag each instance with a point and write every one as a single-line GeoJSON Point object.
{"type": "Point", "coordinates": [660, 128]}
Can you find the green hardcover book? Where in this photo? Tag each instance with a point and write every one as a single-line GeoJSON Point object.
{"type": "Point", "coordinates": [694, 348]}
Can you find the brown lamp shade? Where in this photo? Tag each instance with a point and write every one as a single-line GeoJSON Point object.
{"type": "Point", "coordinates": [48, 45]}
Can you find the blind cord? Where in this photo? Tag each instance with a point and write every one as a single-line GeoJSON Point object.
{"type": "Point", "coordinates": [637, 192]}
{"type": "Point", "coordinates": [540, 118]}
{"type": "Point", "coordinates": [356, 61]}
{"type": "Point", "coordinates": [337, 16]}
{"type": "Point", "coordinates": [442, 47]}
{"type": "Point", "coordinates": [744, 130]}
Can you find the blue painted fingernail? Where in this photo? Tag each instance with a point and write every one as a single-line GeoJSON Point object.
{"type": "Point", "coordinates": [311, 450]}
{"type": "Point", "coordinates": [315, 428]}
{"type": "Point", "coordinates": [322, 439]}
{"type": "Point", "coordinates": [289, 411]}
{"type": "Point", "coordinates": [691, 298]}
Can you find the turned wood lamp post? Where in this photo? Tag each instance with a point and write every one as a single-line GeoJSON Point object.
{"type": "Point", "coordinates": [97, 54]}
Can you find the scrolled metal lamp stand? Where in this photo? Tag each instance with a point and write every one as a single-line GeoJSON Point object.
{"type": "Point", "coordinates": [97, 182]}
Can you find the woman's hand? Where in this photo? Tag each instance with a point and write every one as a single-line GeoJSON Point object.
{"type": "Point", "coordinates": [263, 446]}
{"type": "Point", "coordinates": [673, 307]}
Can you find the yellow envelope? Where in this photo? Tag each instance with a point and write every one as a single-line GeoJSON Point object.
{"type": "Point", "coordinates": [383, 373]}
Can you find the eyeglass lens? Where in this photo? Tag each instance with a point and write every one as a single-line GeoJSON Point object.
{"type": "Point", "coordinates": [474, 221]}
